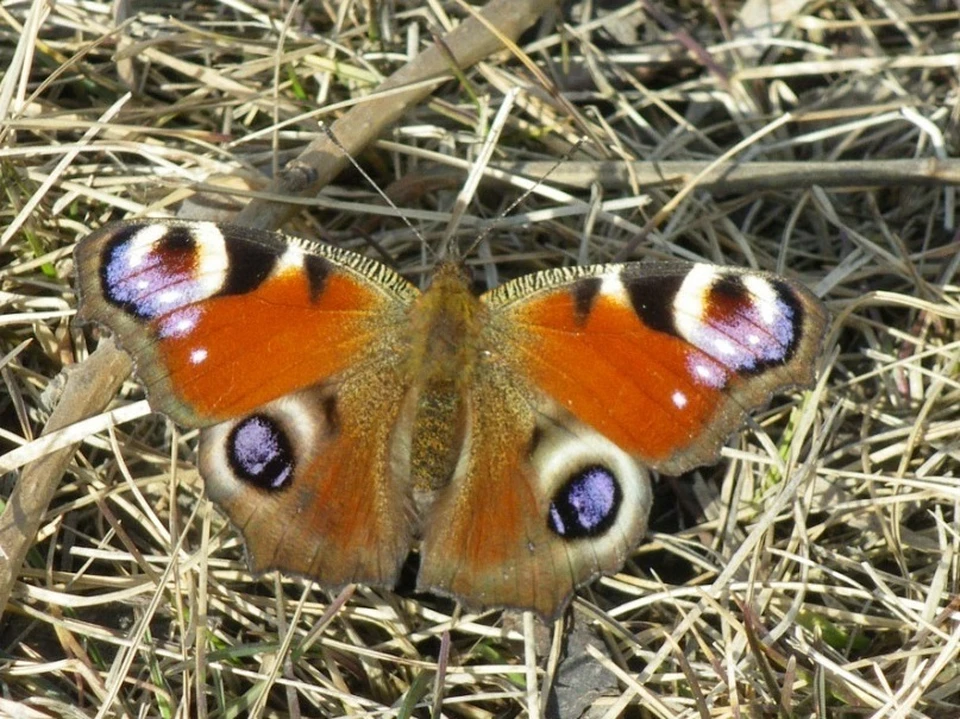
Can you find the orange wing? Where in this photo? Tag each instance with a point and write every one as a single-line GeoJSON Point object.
{"type": "Point", "coordinates": [539, 505]}
{"type": "Point", "coordinates": [663, 359]}
{"type": "Point", "coordinates": [309, 480]}
{"type": "Point", "coordinates": [222, 319]}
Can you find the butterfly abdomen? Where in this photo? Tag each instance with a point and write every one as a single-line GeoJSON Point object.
{"type": "Point", "coordinates": [446, 326]}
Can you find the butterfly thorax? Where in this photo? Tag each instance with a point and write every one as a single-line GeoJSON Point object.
{"type": "Point", "coordinates": [446, 322]}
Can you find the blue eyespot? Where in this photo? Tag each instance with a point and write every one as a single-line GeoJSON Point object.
{"type": "Point", "coordinates": [150, 270]}
{"type": "Point", "coordinates": [586, 505]}
{"type": "Point", "coordinates": [260, 454]}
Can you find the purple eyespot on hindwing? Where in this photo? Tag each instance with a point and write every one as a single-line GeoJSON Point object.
{"type": "Point", "coordinates": [259, 452]}
{"type": "Point", "coordinates": [586, 505]}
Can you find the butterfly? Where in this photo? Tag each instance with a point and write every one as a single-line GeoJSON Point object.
{"type": "Point", "coordinates": [347, 417]}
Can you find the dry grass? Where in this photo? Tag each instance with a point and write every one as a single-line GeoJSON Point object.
{"type": "Point", "coordinates": [812, 572]}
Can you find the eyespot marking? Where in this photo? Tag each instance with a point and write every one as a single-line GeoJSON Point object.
{"type": "Point", "coordinates": [586, 505]}
{"type": "Point", "coordinates": [743, 323]}
{"type": "Point", "coordinates": [179, 323]}
{"type": "Point", "coordinates": [154, 269]}
{"type": "Point", "coordinates": [260, 454]}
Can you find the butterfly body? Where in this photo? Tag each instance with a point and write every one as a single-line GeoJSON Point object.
{"type": "Point", "coordinates": [445, 324]}
{"type": "Point", "coordinates": [349, 417]}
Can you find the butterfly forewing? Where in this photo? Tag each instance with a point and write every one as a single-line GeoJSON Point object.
{"type": "Point", "coordinates": [663, 359]}
{"type": "Point", "coordinates": [222, 319]}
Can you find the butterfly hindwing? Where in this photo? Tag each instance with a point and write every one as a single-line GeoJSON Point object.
{"type": "Point", "coordinates": [308, 479]}
{"type": "Point", "coordinates": [222, 319]}
{"type": "Point", "coordinates": [538, 505]}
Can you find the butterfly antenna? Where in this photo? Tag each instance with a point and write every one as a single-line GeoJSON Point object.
{"type": "Point", "coordinates": [526, 193]}
{"type": "Point", "coordinates": [333, 138]}
{"type": "Point", "coordinates": [448, 248]}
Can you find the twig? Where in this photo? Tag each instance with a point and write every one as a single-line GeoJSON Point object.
{"type": "Point", "coordinates": [736, 178]}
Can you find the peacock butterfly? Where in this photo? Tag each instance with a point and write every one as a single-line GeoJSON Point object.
{"type": "Point", "coordinates": [348, 417]}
